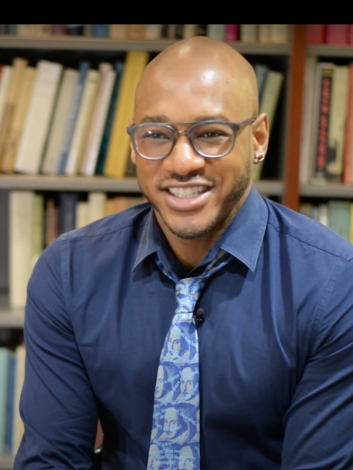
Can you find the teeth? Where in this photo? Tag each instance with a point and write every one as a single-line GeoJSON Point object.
{"type": "Point", "coordinates": [187, 192]}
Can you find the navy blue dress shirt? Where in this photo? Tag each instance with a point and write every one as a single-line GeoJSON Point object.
{"type": "Point", "coordinates": [276, 346]}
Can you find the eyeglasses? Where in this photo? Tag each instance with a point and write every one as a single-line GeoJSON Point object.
{"type": "Point", "coordinates": [210, 139]}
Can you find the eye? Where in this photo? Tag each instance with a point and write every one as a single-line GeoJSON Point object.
{"type": "Point", "coordinates": [156, 135]}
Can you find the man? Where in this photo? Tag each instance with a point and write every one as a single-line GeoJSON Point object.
{"type": "Point", "coordinates": [275, 349]}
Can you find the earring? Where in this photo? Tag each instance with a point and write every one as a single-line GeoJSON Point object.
{"type": "Point", "coordinates": [259, 157]}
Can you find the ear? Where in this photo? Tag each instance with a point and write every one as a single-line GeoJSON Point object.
{"type": "Point", "coordinates": [261, 133]}
{"type": "Point", "coordinates": [133, 153]}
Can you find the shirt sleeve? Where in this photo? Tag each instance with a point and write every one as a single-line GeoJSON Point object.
{"type": "Point", "coordinates": [319, 422]}
{"type": "Point", "coordinates": [57, 403]}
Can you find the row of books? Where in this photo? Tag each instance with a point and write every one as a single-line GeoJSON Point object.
{"type": "Point", "coordinates": [336, 214]}
{"type": "Point", "coordinates": [327, 124]}
{"type": "Point", "coordinates": [35, 221]}
{"type": "Point", "coordinates": [267, 33]}
{"type": "Point", "coordinates": [12, 364]}
{"type": "Point", "coordinates": [62, 121]}
{"type": "Point", "coordinates": [329, 33]}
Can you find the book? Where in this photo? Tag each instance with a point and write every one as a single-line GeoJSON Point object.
{"type": "Point", "coordinates": [339, 213]}
{"type": "Point", "coordinates": [18, 67]}
{"type": "Point", "coordinates": [96, 205]}
{"type": "Point", "coordinates": [136, 32]}
{"type": "Point", "coordinates": [43, 30]}
{"type": "Point", "coordinates": [21, 223]}
{"type": "Point", "coordinates": [118, 31]}
{"type": "Point", "coordinates": [315, 33]}
{"type": "Point", "coordinates": [38, 228]}
{"type": "Point", "coordinates": [119, 69]}
{"type": "Point", "coordinates": [59, 122]}
{"type": "Point", "coordinates": [4, 241]}
{"type": "Point", "coordinates": [99, 117]}
{"type": "Point", "coordinates": [58, 30]}
{"type": "Point", "coordinates": [307, 120]}
{"type": "Point", "coordinates": [153, 31]}
{"type": "Point", "coordinates": [4, 385]}
{"type": "Point", "coordinates": [248, 33]}
{"type": "Point", "coordinates": [26, 30]}
{"type": "Point", "coordinates": [263, 32]}
{"type": "Point", "coordinates": [100, 30]}
{"type": "Point", "coordinates": [51, 224]}
{"type": "Point", "coordinates": [351, 223]}
{"type": "Point", "coordinates": [82, 214]}
{"type": "Point", "coordinates": [261, 71]}
{"type": "Point", "coordinates": [10, 404]}
{"type": "Point", "coordinates": [336, 34]}
{"type": "Point", "coordinates": [5, 80]}
{"type": "Point", "coordinates": [67, 211]}
{"type": "Point", "coordinates": [82, 124]}
{"type": "Point", "coordinates": [279, 33]}
{"type": "Point", "coordinates": [189, 31]}
{"type": "Point", "coordinates": [268, 105]}
{"type": "Point", "coordinates": [33, 139]}
{"type": "Point", "coordinates": [74, 110]}
{"type": "Point", "coordinates": [19, 117]}
{"type": "Point", "coordinates": [17, 425]}
{"type": "Point", "coordinates": [348, 145]}
{"type": "Point", "coordinates": [336, 130]}
{"type": "Point", "coordinates": [322, 216]}
{"type": "Point", "coordinates": [232, 32]}
{"type": "Point", "coordinates": [74, 29]}
{"type": "Point", "coordinates": [321, 121]}
{"type": "Point", "coordinates": [216, 31]}
{"type": "Point", "coordinates": [119, 144]}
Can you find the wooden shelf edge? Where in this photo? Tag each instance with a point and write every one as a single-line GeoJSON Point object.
{"type": "Point", "coordinates": [99, 183]}
{"type": "Point", "coordinates": [329, 50]}
{"type": "Point", "coordinates": [106, 44]}
{"type": "Point", "coordinates": [326, 191]}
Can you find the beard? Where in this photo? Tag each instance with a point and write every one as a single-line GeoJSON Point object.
{"type": "Point", "coordinates": [228, 209]}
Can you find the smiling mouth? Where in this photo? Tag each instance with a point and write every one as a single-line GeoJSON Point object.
{"type": "Point", "coordinates": [187, 193]}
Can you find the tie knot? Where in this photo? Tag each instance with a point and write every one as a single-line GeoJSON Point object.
{"type": "Point", "coordinates": [187, 293]}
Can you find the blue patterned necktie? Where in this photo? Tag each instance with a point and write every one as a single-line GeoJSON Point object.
{"type": "Point", "coordinates": [175, 437]}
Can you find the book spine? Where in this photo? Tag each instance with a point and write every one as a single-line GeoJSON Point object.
{"type": "Point", "coordinates": [323, 123]}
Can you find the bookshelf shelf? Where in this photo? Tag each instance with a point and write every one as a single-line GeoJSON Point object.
{"type": "Point", "coordinates": [6, 462]}
{"type": "Point", "coordinates": [326, 191]}
{"type": "Point", "coordinates": [96, 183]}
{"type": "Point", "coordinates": [326, 50]}
{"type": "Point", "coordinates": [106, 44]}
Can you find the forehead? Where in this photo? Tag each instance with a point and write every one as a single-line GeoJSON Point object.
{"type": "Point", "coordinates": [182, 95]}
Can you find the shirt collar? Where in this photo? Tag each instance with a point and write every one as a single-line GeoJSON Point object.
{"type": "Point", "coordinates": [242, 238]}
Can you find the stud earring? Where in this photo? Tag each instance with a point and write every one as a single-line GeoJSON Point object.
{"type": "Point", "coordinates": [259, 157]}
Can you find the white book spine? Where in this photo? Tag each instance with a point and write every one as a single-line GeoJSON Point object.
{"type": "Point", "coordinates": [29, 156]}
{"type": "Point", "coordinates": [60, 118]}
{"type": "Point", "coordinates": [5, 80]}
{"type": "Point", "coordinates": [96, 206]}
{"type": "Point", "coordinates": [82, 123]}
{"type": "Point", "coordinates": [21, 222]}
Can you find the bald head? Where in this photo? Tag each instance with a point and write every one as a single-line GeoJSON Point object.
{"type": "Point", "coordinates": [196, 66]}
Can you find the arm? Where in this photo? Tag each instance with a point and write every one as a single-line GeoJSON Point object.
{"type": "Point", "coordinates": [319, 422]}
{"type": "Point", "coordinates": [57, 403]}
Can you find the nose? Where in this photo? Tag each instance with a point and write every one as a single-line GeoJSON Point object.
{"type": "Point", "coordinates": [183, 160]}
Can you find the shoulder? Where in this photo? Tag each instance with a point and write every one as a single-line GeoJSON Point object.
{"type": "Point", "coordinates": [302, 231]}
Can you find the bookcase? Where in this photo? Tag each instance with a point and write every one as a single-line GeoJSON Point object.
{"type": "Point", "coordinates": [281, 180]}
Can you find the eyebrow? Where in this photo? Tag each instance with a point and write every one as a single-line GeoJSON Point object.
{"type": "Point", "coordinates": [164, 118]}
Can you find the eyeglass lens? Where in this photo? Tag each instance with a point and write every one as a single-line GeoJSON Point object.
{"type": "Point", "coordinates": [211, 139]}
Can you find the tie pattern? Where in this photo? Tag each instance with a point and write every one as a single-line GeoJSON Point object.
{"type": "Point", "coordinates": [175, 437]}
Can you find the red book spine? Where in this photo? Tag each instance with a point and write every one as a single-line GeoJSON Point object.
{"type": "Point", "coordinates": [337, 33]}
{"type": "Point", "coordinates": [348, 145]}
{"type": "Point", "coordinates": [315, 33]}
{"type": "Point", "coordinates": [232, 32]}
{"type": "Point", "coordinates": [350, 34]}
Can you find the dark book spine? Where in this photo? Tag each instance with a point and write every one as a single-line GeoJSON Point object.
{"type": "Point", "coordinates": [323, 124]}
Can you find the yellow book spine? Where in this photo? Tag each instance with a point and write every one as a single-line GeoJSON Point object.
{"type": "Point", "coordinates": [119, 144]}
